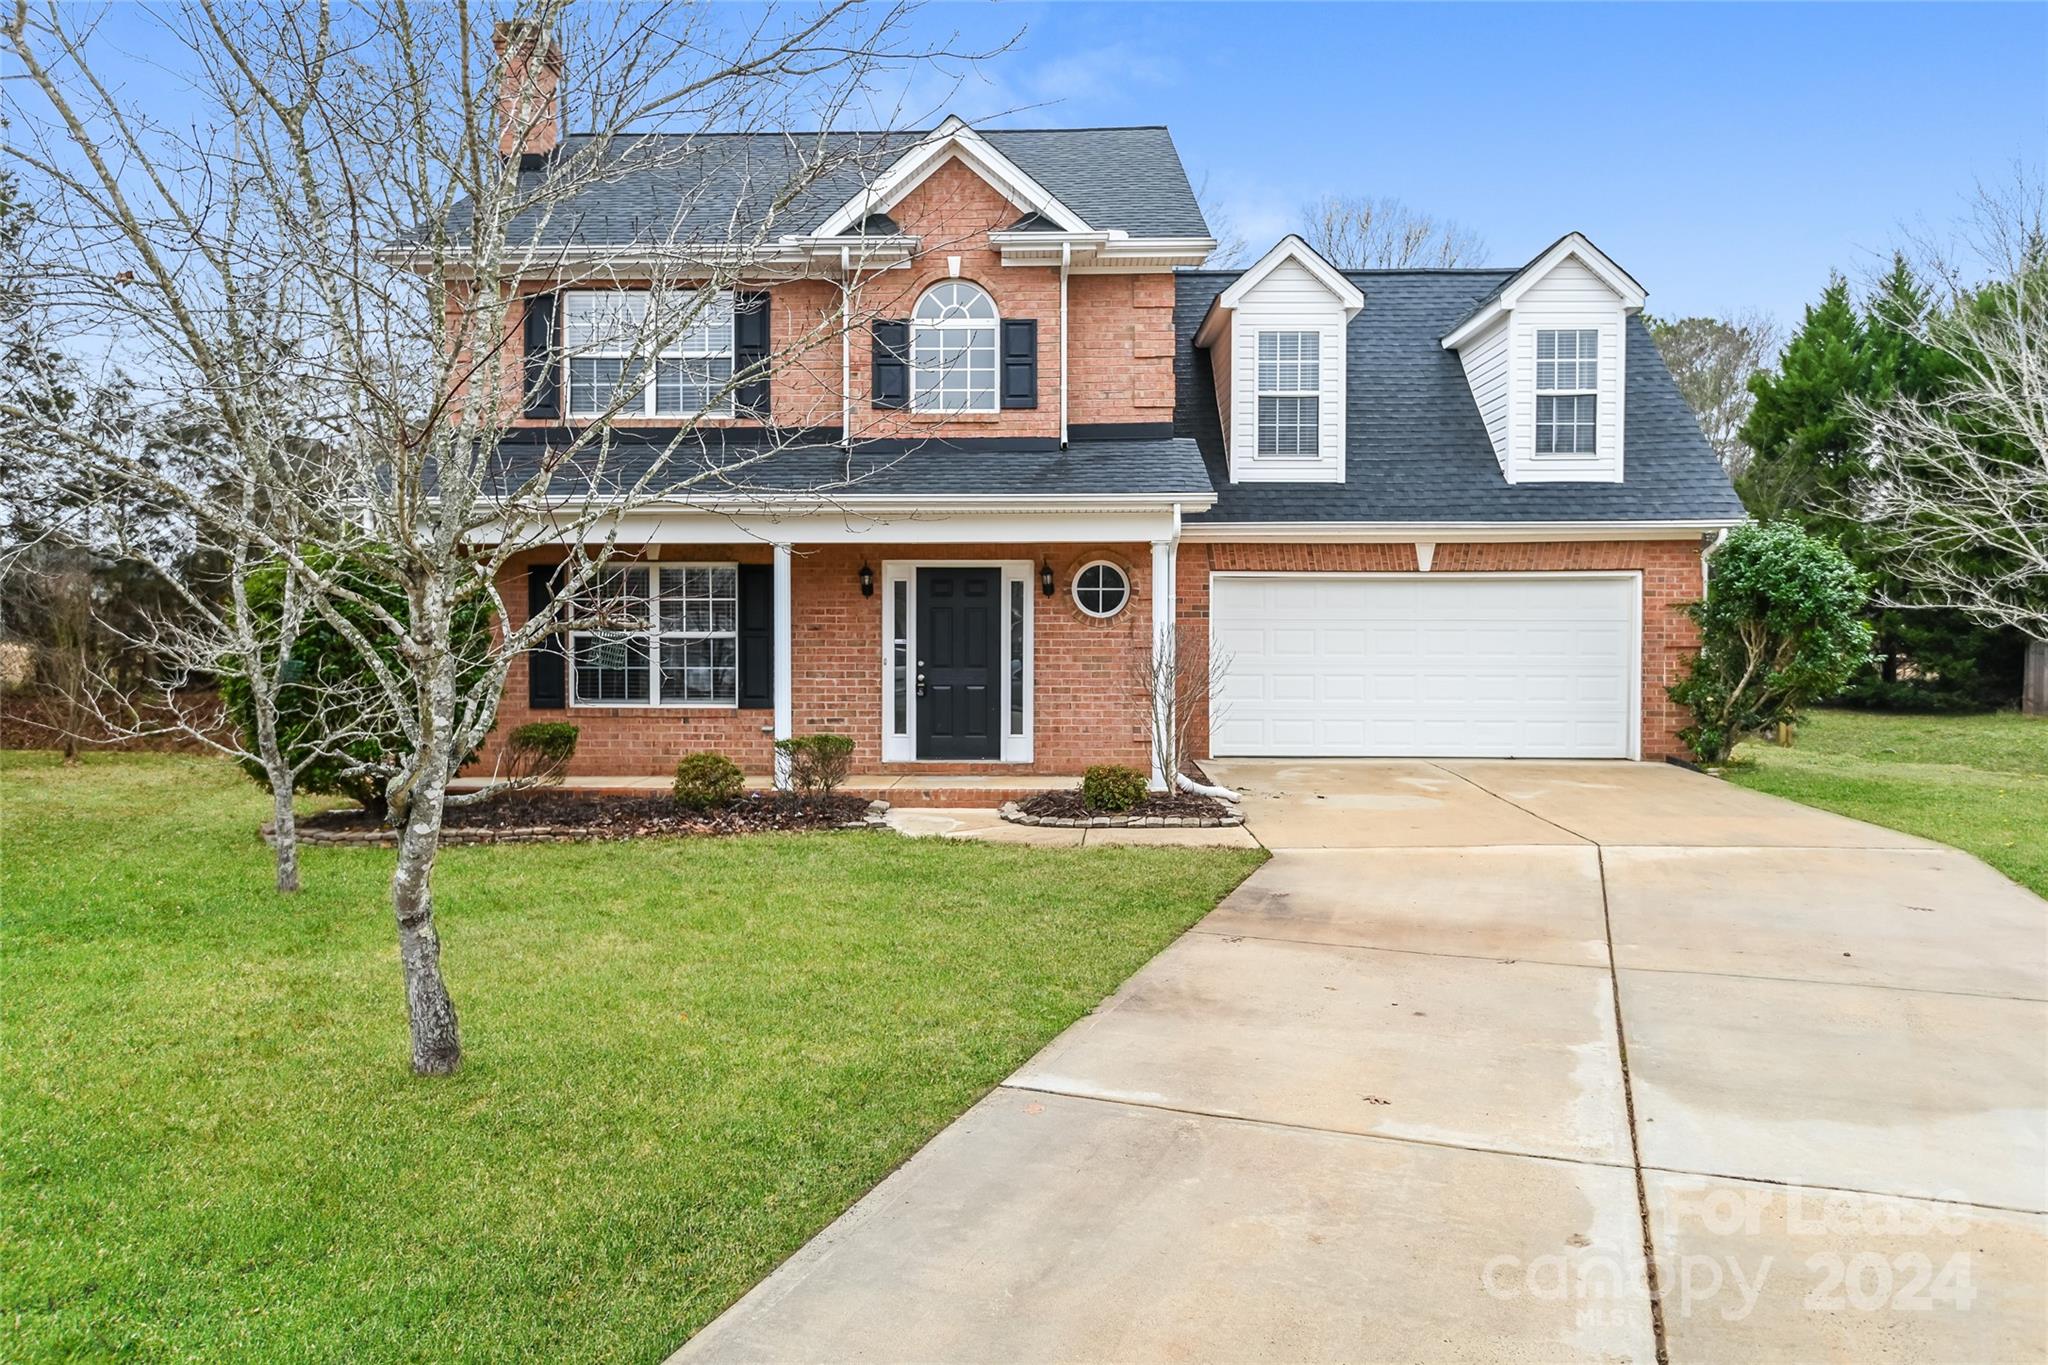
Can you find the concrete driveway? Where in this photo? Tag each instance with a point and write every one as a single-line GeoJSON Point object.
{"type": "Point", "coordinates": [1427, 1085]}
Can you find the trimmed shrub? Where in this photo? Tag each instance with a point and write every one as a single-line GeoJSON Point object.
{"type": "Point", "coordinates": [1781, 628]}
{"type": "Point", "coordinates": [707, 781]}
{"type": "Point", "coordinates": [1113, 788]}
{"type": "Point", "coordinates": [539, 753]}
{"type": "Point", "coordinates": [817, 763]}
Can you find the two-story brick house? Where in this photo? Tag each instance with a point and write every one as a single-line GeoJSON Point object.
{"type": "Point", "coordinates": [1419, 512]}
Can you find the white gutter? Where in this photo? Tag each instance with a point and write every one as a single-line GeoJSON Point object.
{"type": "Point", "coordinates": [1066, 260]}
{"type": "Point", "coordinates": [1444, 532]}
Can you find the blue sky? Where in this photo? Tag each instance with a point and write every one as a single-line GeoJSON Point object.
{"type": "Point", "coordinates": [1728, 155]}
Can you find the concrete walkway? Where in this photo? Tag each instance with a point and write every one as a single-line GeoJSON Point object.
{"type": "Point", "coordinates": [1427, 1085]}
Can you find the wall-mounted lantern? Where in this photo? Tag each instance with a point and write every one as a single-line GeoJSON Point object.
{"type": "Point", "coordinates": [867, 580]}
{"type": "Point", "coordinates": [1045, 577]}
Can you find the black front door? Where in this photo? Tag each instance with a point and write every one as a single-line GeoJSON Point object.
{"type": "Point", "coordinates": [959, 663]}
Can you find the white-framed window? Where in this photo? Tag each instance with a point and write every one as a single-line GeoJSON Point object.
{"type": "Point", "coordinates": [1290, 388]}
{"type": "Point", "coordinates": [1567, 390]}
{"type": "Point", "coordinates": [953, 349]}
{"type": "Point", "coordinates": [662, 635]}
{"type": "Point", "coordinates": [607, 346]}
{"type": "Point", "coordinates": [1101, 588]}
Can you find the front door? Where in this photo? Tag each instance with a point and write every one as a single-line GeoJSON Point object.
{"type": "Point", "coordinates": [959, 663]}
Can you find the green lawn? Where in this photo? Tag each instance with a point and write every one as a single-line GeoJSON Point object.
{"type": "Point", "coordinates": [1977, 782]}
{"type": "Point", "coordinates": [684, 1058]}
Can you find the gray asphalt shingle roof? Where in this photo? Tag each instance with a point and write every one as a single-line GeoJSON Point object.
{"type": "Point", "coordinates": [706, 465]}
{"type": "Point", "coordinates": [661, 187]}
{"type": "Point", "coordinates": [1416, 449]}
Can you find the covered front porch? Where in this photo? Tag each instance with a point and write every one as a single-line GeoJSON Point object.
{"type": "Point", "coordinates": [972, 654]}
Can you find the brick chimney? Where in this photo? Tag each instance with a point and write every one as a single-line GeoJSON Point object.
{"type": "Point", "coordinates": [529, 89]}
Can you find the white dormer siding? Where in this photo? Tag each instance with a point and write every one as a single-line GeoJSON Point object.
{"type": "Point", "coordinates": [1485, 358]}
{"type": "Point", "coordinates": [1276, 341]}
{"type": "Point", "coordinates": [1580, 300]}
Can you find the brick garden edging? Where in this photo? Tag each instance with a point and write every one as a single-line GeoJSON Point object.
{"type": "Point", "coordinates": [874, 818]}
{"type": "Point", "coordinates": [1016, 816]}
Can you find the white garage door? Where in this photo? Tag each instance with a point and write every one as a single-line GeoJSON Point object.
{"type": "Point", "coordinates": [1449, 666]}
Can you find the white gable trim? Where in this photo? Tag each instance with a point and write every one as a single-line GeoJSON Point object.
{"type": "Point", "coordinates": [951, 140]}
{"type": "Point", "coordinates": [1293, 248]}
{"type": "Point", "coordinates": [1571, 245]}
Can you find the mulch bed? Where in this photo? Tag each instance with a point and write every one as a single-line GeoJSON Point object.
{"type": "Point", "coordinates": [558, 816]}
{"type": "Point", "coordinates": [1168, 809]}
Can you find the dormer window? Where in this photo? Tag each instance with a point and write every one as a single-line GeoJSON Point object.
{"type": "Point", "coordinates": [1567, 391]}
{"type": "Point", "coordinates": [953, 350]}
{"type": "Point", "coordinates": [1290, 382]}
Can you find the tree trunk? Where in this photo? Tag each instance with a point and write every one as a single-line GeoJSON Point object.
{"type": "Point", "coordinates": [284, 822]}
{"type": "Point", "coordinates": [436, 1037]}
{"type": "Point", "coordinates": [284, 829]}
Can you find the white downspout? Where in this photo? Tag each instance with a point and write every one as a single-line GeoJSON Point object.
{"type": "Point", "coordinates": [784, 689]}
{"type": "Point", "coordinates": [1162, 659]}
{"type": "Point", "coordinates": [845, 349]}
{"type": "Point", "coordinates": [1066, 258]}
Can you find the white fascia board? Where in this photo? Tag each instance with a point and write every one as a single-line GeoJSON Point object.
{"type": "Point", "coordinates": [618, 261]}
{"type": "Point", "coordinates": [1293, 248]}
{"type": "Point", "coordinates": [1098, 253]}
{"type": "Point", "coordinates": [1449, 532]}
{"type": "Point", "coordinates": [852, 521]}
{"type": "Point", "coordinates": [950, 139]}
{"type": "Point", "coordinates": [1214, 322]}
{"type": "Point", "coordinates": [1572, 244]}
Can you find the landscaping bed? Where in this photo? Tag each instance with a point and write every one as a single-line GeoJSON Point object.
{"type": "Point", "coordinates": [570, 817]}
{"type": "Point", "coordinates": [1067, 809]}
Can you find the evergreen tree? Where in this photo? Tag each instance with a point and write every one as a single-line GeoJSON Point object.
{"type": "Point", "coordinates": [1807, 459]}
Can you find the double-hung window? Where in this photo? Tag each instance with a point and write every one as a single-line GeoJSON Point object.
{"type": "Point", "coordinates": [659, 634]}
{"type": "Point", "coordinates": [1567, 385]}
{"type": "Point", "coordinates": [953, 350]}
{"type": "Point", "coordinates": [621, 361]}
{"type": "Point", "coordinates": [1290, 385]}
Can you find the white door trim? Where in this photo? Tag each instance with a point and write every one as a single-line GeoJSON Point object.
{"type": "Point", "coordinates": [1635, 693]}
{"type": "Point", "coordinates": [902, 748]}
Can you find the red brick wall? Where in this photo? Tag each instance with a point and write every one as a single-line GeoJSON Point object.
{"type": "Point", "coordinates": [1085, 707]}
{"type": "Point", "coordinates": [1671, 578]}
{"type": "Point", "coordinates": [1121, 356]}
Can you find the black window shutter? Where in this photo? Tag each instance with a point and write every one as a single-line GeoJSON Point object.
{"type": "Point", "coordinates": [750, 350]}
{"type": "Point", "coordinates": [757, 637]}
{"type": "Point", "coordinates": [1020, 363]}
{"type": "Point", "coordinates": [543, 368]}
{"type": "Point", "coordinates": [892, 364]}
{"type": "Point", "coordinates": [547, 668]}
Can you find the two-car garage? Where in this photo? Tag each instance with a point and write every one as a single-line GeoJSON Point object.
{"type": "Point", "coordinates": [1427, 665]}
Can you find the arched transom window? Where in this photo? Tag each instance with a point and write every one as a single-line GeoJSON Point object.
{"type": "Point", "coordinates": [953, 350]}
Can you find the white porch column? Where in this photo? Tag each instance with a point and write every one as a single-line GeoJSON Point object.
{"type": "Point", "coordinates": [783, 652]}
{"type": "Point", "coordinates": [1162, 658]}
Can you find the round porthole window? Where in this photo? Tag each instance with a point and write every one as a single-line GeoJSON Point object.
{"type": "Point", "coordinates": [1101, 589]}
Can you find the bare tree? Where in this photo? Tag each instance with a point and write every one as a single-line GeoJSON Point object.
{"type": "Point", "coordinates": [1959, 495]}
{"type": "Point", "coordinates": [1359, 232]}
{"type": "Point", "coordinates": [367, 197]}
{"type": "Point", "coordinates": [1712, 359]}
{"type": "Point", "coordinates": [1232, 249]}
{"type": "Point", "coordinates": [1178, 680]}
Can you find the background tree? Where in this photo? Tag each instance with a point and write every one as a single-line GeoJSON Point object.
{"type": "Point", "coordinates": [1781, 627]}
{"type": "Point", "coordinates": [1807, 457]}
{"type": "Point", "coordinates": [1713, 360]}
{"type": "Point", "coordinates": [1959, 505]}
{"type": "Point", "coordinates": [1358, 232]}
{"type": "Point", "coordinates": [335, 251]}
